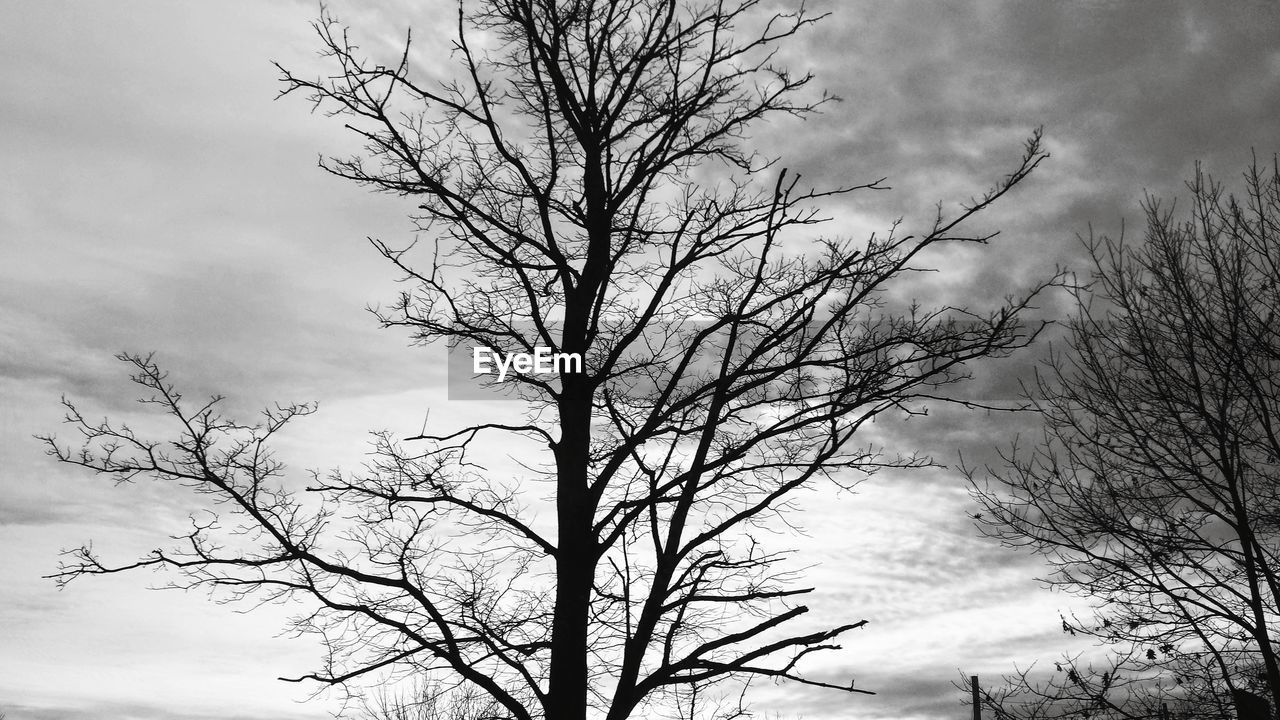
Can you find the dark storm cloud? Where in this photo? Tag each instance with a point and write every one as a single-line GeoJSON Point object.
{"type": "Point", "coordinates": [1138, 87]}
{"type": "Point", "coordinates": [938, 96]}
{"type": "Point", "coordinates": [1153, 84]}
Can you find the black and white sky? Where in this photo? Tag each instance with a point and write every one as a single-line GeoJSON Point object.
{"type": "Point", "coordinates": [156, 197]}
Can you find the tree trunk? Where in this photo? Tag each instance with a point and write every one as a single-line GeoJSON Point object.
{"type": "Point", "coordinates": [575, 510]}
{"type": "Point", "coordinates": [567, 685]}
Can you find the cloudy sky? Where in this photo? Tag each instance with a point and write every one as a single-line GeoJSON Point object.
{"type": "Point", "coordinates": [155, 197]}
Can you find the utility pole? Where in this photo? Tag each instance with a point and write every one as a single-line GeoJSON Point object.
{"type": "Point", "coordinates": [977, 705]}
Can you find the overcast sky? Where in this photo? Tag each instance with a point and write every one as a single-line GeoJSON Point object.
{"type": "Point", "coordinates": [155, 197]}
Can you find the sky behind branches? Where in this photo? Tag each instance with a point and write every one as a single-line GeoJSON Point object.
{"type": "Point", "coordinates": [156, 198]}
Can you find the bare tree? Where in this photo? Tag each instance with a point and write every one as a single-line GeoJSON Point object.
{"type": "Point", "coordinates": [1154, 490]}
{"type": "Point", "coordinates": [587, 189]}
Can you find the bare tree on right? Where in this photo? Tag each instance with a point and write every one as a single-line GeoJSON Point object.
{"type": "Point", "coordinates": [1155, 489]}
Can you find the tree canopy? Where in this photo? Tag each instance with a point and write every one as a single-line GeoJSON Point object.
{"type": "Point", "coordinates": [1153, 490]}
{"type": "Point", "coordinates": [584, 185]}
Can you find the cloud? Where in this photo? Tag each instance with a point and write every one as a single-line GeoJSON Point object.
{"type": "Point", "coordinates": [135, 711]}
{"type": "Point", "coordinates": [163, 201]}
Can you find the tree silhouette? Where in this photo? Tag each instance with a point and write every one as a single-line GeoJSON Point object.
{"type": "Point", "coordinates": [587, 188]}
{"type": "Point", "coordinates": [1153, 490]}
